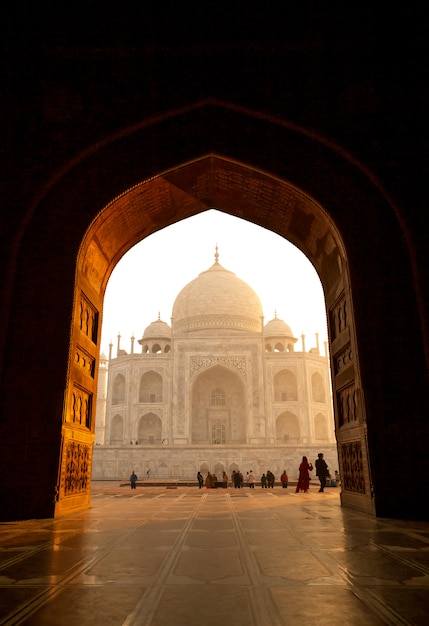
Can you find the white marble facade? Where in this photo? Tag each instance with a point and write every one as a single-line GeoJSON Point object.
{"type": "Point", "coordinates": [217, 390]}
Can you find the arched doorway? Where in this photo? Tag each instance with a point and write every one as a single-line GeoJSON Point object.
{"type": "Point", "coordinates": [218, 407]}
{"type": "Point", "coordinates": [222, 183]}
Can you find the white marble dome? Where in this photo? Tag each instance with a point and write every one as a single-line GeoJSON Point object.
{"type": "Point", "coordinates": [157, 330]}
{"type": "Point", "coordinates": [217, 301]}
{"type": "Point", "coordinates": [277, 328]}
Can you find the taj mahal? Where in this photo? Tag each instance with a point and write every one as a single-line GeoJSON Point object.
{"type": "Point", "coordinates": [217, 390]}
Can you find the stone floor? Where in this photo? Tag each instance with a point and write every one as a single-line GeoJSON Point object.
{"type": "Point", "coordinates": [159, 556]}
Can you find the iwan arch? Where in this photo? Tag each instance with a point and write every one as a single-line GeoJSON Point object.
{"type": "Point", "coordinates": [216, 181]}
{"type": "Point", "coordinates": [251, 167]}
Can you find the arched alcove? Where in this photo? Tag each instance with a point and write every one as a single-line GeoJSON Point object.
{"type": "Point", "coordinates": [218, 407]}
{"type": "Point", "coordinates": [285, 386]}
{"type": "Point", "coordinates": [116, 430]}
{"type": "Point", "coordinates": [317, 388]}
{"type": "Point", "coordinates": [321, 428]}
{"type": "Point", "coordinates": [287, 428]}
{"type": "Point", "coordinates": [151, 387]}
{"type": "Point", "coordinates": [118, 389]}
{"type": "Point", "coordinates": [149, 429]}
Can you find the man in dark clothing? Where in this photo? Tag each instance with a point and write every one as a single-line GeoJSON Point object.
{"type": "Point", "coordinates": [236, 478]}
{"type": "Point", "coordinates": [133, 480]}
{"type": "Point", "coordinates": [322, 471]}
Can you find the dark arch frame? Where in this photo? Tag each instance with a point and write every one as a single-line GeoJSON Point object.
{"type": "Point", "coordinates": [214, 181]}
{"type": "Point", "coordinates": [181, 145]}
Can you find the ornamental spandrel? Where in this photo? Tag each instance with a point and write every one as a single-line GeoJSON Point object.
{"type": "Point", "coordinates": [198, 363]}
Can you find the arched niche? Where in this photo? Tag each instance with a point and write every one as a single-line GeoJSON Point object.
{"type": "Point", "coordinates": [151, 387]}
{"type": "Point", "coordinates": [218, 413]}
{"type": "Point", "coordinates": [287, 428]}
{"type": "Point", "coordinates": [285, 386]}
{"type": "Point", "coordinates": [149, 429]}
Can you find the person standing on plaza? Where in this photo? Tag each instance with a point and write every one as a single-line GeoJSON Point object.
{"type": "Point", "coordinates": [284, 479]}
{"type": "Point", "coordinates": [270, 479]}
{"type": "Point", "coordinates": [251, 479]}
{"type": "Point", "coordinates": [133, 480]}
{"type": "Point", "coordinates": [263, 481]}
{"type": "Point", "coordinates": [304, 475]}
{"type": "Point", "coordinates": [322, 471]}
{"type": "Point", "coordinates": [200, 480]}
{"type": "Point", "coordinates": [236, 479]}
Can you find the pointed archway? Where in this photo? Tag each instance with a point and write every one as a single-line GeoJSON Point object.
{"type": "Point", "coordinates": [278, 176]}
{"type": "Point", "coordinates": [240, 190]}
{"type": "Point", "coordinates": [218, 407]}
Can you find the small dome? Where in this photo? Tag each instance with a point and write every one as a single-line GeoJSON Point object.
{"type": "Point", "coordinates": [278, 336]}
{"type": "Point", "coordinates": [277, 328]}
{"type": "Point", "coordinates": [157, 330]}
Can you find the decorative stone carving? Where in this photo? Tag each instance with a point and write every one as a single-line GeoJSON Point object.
{"type": "Point", "coordinates": [77, 468]}
{"type": "Point", "coordinates": [81, 409]}
{"type": "Point", "coordinates": [84, 360]}
{"type": "Point", "coordinates": [149, 408]}
{"type": "Point", "coordinates": [145, 370]}
{"type": "Point", "coordinates": [338, 318]}
{"type": "Point", "coordinates": [347, 405]}
{"type": "Point", "coordinates": [237, 363]}
{"type": "Point", "coordinates": [280, 368]}
{"type": "Point", "coordinates": [88, 318]}
{"type": "Point", "coordinates": [343, 359]}
{"type": "Point", "coordinates": [352, 476]}
{"type": "Point", "coordinates": [217, 321]}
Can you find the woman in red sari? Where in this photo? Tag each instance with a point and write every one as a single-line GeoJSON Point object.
{"type": "Point", "coordinates": [304, 476]}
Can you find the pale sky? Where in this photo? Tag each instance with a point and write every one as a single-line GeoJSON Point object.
{"type": "Point", "coordinates": [147, 279]}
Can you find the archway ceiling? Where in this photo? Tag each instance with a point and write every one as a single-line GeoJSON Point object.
{"type": "Point", "coordinates": [211, 182]}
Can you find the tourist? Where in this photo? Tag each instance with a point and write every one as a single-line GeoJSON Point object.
{"type": "Point", "coordinates": [225, 480]}
{"type": "Point", "coordinates": [208, 481]}
{"type": "Point", "coordinates": [133, 480]}
{"type": "Point", "coordinates": [237, 479]}
{"type": "Point", "coordinates": [270, 479]}
{"type": "Point", "coordinates": [200, 480]}
{"type": "Point", "coordinates": [304, 475]}
{"type": "Point", "coordinates": [284, 479]}
{"type": "Point", "coordinates": [263, 481]}
{"type": "Point", "coordinates": [251, 479]}
{"type": "Point", "coordinates": [322, 471]}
